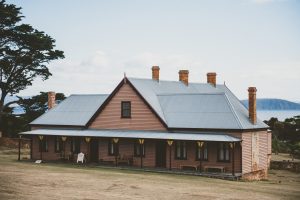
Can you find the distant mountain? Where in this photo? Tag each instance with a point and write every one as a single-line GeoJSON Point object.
{"type": "Point", "coordinates": [274, 104]}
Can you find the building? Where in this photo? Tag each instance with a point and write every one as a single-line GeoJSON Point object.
{"type": "Point", "coordinates": [153, 123]}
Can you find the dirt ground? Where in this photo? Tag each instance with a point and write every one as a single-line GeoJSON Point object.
{"type": "Point", "coordinates": [26, 180]}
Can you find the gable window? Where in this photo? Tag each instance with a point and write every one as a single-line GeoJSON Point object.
{"type": "Point", "coordinates": [202, 153]}
{"type": "Point", "coordinates": [75, 145]}
{"type": "Point", "coordinates": [223, 152]}
{"type": "Point", "coordinates": [58, 144]}
{"type": "Point", "coordinates": [138, 149]}
{"type": "Point", "coordinates": [180, 150]}
{"type": "Point", "coordinates": [113, 148]}
{"type": "Point", "coordinates": [125, 109]}
{"type": "Point", "coordinates": [44, 145]}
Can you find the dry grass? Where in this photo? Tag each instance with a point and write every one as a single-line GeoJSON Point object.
{"type": "Point", "coordinates": [284, 156]}
{"type": "Point", "coordinates": [26, 180]}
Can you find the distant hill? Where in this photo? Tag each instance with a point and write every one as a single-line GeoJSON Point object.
{"type": "Point", "coordinates": [274, 104]}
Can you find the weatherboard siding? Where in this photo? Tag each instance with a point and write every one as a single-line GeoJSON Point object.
{"type": "Point", "coordinates": [249, 150]}
{"type": "Point", "coordinates": [142, 118]}
{"type": "Point", "coordinates": [212, 157]}
{"type": "Point", "coordinates": [269, 142]}
{"type": "Point", "coordinates": [263, 150]}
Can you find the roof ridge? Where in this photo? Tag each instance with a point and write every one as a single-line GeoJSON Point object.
{"type": "Point", "coordinates": [234, 113]}
{"type": "Point", "coordinates": [88, 94]}
{"type": "Point", "coordinates": [235, 97]}
{"type": "Point", "coordinates": [162, 110]}
{"type": "Point", "coordinates": [206, 93]}
{"type": "Point", "coordinates": [149, 79]}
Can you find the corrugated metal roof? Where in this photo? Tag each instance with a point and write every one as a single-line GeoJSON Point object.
{"type": "Point", "coordinates": [137, 134]}
{"type": "Point", "coordinates": [76, 110]}
{"type": "Point", "coordinates": [198, 105]}
{"type": "Point", "coordinates": [209, 111]}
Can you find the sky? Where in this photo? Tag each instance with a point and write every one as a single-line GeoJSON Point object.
{"type": "Point", "coordinates": [246, 42]}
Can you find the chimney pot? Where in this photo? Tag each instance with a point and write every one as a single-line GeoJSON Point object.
{"type": "Point", "coordinates": [184, 76]}
{"type": "Point", "coordinates": [155, 73]}
{"type": "Point", "coordinates": [212, 78]}
{"type": "Point", "coordinates": [252, 104]}
{"type": "Point", "coordinates": [51, 100]}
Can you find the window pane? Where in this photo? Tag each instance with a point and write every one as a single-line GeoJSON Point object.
{"type": "Point", "coordinates": [125, 109]}
{"type": "Point", "coordinates": [126, 105]}
{"type": "Point", "coordinates": [205, 152]}
{"type": "Point", "coordinates": [138, 150]}
{"type": "Point", "coordinates": [46, 145]}
{"type": "Point", "coordinates": [221, 153]}
{"type": "Point", "coordinates": [198, 153]}
{"type": "Point", "coordinates": [126, 113]}
{"type": "Point", "coordinates": [227, 153]}
{"type": "Point", "coordinates": [183, 150]}
{"type": "Point", "coordinates": [143, 149]}
{"type": "Point", "coordinates": [178, 149]}
{"type": "Point", "coordinates": [111, 148]}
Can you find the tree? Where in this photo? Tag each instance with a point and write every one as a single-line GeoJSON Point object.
{"type": "Point", "coordinates": [32, 107]}
{"type": "Point", "coordinates": [286, 135]}
{"type": "Point", "coordinates": [12, 124]}
{"type": "Point", "coordinates": [35, 106]}
{"type": "Point", "coordinates": [24, 54]}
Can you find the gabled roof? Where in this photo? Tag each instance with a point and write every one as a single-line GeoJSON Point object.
{"type": "Point", "coordinates": [196, 106]}
{"type": "Point", "coordinates": [76, 110]}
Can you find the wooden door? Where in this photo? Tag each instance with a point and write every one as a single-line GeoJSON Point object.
{"type": "Point", "coordinates": [94, 150]}
{"type": "Point", "coordinates": [160, 154]}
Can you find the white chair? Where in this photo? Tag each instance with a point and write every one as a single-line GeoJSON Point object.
{"type": "Point", "coordinates": [80, 157]}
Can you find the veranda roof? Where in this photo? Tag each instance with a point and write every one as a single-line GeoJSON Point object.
{"type": "Point", "coordinates": [199, 136]}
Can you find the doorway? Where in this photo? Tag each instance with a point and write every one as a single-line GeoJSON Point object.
{"type": "Point", "coordinates": [160, 154]}
{"type": "Point", "coordinates": [94, 150]}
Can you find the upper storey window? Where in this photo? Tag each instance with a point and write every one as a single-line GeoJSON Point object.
{"type": "Point", "coordinates": [126, 109]}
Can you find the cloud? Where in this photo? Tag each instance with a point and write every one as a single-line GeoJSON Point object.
{"type": "Point", "coordinates": [102, 71]}
{"type": "Point", "coordinates": [266, 1]}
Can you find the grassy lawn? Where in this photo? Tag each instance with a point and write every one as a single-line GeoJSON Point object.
{"type": "Point", "coordinates": [26, 180]}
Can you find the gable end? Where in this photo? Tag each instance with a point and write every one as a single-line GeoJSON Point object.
{"type": "Point", "coordinates": [108, 116]}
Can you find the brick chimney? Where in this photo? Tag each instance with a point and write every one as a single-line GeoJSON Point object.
{"type": "Point", "coordinates": [155, 73]}
{"type": "Point", "coordinates": [212, 78]}
{"type": "Point", "coordinates": [51, 100]}
{"type": "Point", "coordinates": [252, 104]}
{"type": "Point", "coordinates": [184, 76]}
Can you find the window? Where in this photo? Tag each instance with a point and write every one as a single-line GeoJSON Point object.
{"type": "Point", "coordinates": [58, 144]}
{"type": "Point", "coordinates": [202, 153]}
{"type": "Point", "coordinates": [113, 148]}
{"type": "Point", "coordinates": [125, 109]}
{"type": "Point", "coordinates": [180, 150]}
{"type": "Point", "coordinates": [223, 152]}
{"type": "Point", "coordinates": [75, 145]}
{"type": "Point", "coordinates": [44, 145]}
{"type": "Point", "coordinates": [138, 149]}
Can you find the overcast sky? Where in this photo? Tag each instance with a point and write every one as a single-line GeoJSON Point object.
{"type": "Point", "coordinates": [247, 42]}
